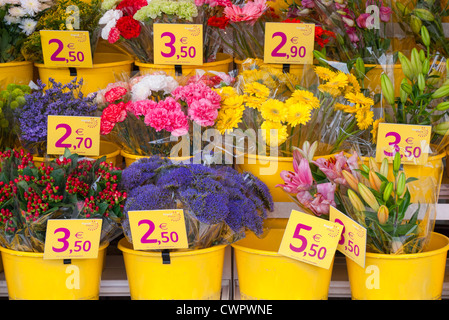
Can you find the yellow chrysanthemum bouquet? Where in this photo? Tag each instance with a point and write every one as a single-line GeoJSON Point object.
{"type": "Point", "coordinates": [283, 114]}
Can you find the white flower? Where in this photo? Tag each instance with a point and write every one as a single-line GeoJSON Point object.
{"type": "Point", "coordinates": [140, 91]}
{"type": "Point", "coordinates": [11, 20]}
{"type": "Point", "coordinates": [110, 15]}
{"type": "Point", "coordinates": [28, 26]}
{"type": "Point", "coordinates": [17, 12]}
{"type": "Point", "coordinates": [107, 29]}
{"type": "Point", "coordinates": [31, 6]}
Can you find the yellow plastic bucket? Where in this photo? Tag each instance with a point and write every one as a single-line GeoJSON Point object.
{"type": "Point", "coordinates": [431, 172]}
{"type": "Point", "coordinates": [264, 274]}
{"type": "Point", "coordinates": [190, 275]}
{"type": "Point", "coordinates": [418, 276]}
{"type": "Point", "coordinates": [107, 68]}
{"type": "Point", "coordinates": [15, 72]}
{"type": "Point", "coordinates": [30, 277]}
{"type": "Point", "coordinates": [108, 149]}
{"type": "Point", "coordinates": [222, 64]}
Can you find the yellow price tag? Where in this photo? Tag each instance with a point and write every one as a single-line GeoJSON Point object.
{"type": "Point", "coordinates": [411, 141]}
{"type": "Point", "coordinates": [158, 229]}
{"type": "Point", "coordinates": [353, 237]}
{"type": "Point", "coordinates": [80, 135]}
{"type": "Point", "coordinates": [289, 43]}
{"type": "Point", "coordinates": [310, 239]}
{"type": "Point", "coordinates": [180, 44]}
{"type": "Point", "coordinates": [66, 48]}
{"type": "Point", "coordinates": [72, 238]}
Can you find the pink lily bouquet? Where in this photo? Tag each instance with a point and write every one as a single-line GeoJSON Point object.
{"type": "Point", "coordinates": [147, 114]}
{"type": "Point", "coordinates": [313, 182]}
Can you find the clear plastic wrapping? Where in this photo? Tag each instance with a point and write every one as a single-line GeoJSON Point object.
{"type": "Point", "coordinates": [69, 187]}
{"type": "Point", "coordinates": [219, 203]}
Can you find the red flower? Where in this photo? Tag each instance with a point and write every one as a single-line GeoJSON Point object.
{"type": "Point", "coordinates": [114, 113]}
{"type": "Point", "coordinates": [115, 94]}
{"type": "Point", "coordinates": [219, 22]}
{"type": "Point", "coordinates": [130, 7]}
{"type": "Point", "coordinates": [129, 27]}
{"type": "Point", "coordinates": [321, 36]}
{"type": "Point", "coordinates": [106, 126]}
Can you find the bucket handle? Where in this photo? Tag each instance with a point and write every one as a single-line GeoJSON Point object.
{"type": "Point", "coordinates": [165, 256]}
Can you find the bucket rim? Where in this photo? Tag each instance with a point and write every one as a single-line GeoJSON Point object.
{"type": "Point", "coordinates": [126, 60]}
{"type": "Point", "coordinates": [137, 157]}
{"type": "Point", "coordinates": [102, 247]}
{"type": "Point", "coordinates": [368, 254]}
{"type": "Point", "coordinates": [15, 64]}
{"type": "Point", "coordinates": [122, 247]}
{"type": "Point", "coordinates": [227, 58]}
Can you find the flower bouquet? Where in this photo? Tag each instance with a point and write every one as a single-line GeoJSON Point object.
{"type": "Point", "coordinates": [18, 20]}
{"type": "Point", "coordinates": [130, 23]}
{"type": "Point", "coordinates": [12, 98]}
{"type": "Point", "coordinates": [57, 99]}
{"type": "Point", "coordinates": [328, 111]}
{"type": "Point", "coordinates": [422, 98]}
{"type": "Point", "coordinates": [395, 223]}
{"type": "Point", "coordinates": [64, 15]}
{"type": "Point", "coordinates": [147, 114]}
{"type": "Point", "coordinates": [219, 203]}
{"type": "Point", "coordinates": [66, 188]}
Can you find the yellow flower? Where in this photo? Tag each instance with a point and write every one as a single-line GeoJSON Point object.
{"type": "Point", "coordinates": [254, 102]}
{"type": "Point", "coordinates": [280, 131]}
{"type": "Point", "coordinates": [233, 102]}
{"type": "Point", "coordinates": [354, 86]}
{"type": "Point", "coordinates": [374, 130]}
{"type": "Point", "coordinates": [228, 119]}
{"type": "Point", "coordinates": [305, 97]}
{"type": "Point", "coordinates": [324, 73]}
{"type": "Point", "coordinates": [364, 118]}
{"type": "Point", "coordinates": [226, 92]}
{"type": "Point", "coordinates": [298, 113]}
{"type": "Point", "coordinates": [359, 99]}
{"type": "Point", "coordinates": [273, 110]}
{"type": "Point", "coordinates": [335, 84]}
{"type": "Point", "coordinates": [345, 108]}
{"type": "Point", "coordinates": [256, 89]}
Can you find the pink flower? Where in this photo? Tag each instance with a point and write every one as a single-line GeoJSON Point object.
{"type": "Point", "coordinates": [157, 118]}
{"type": "Point", "coordinates": [114, 35]}
{"type": "Point", "coordinates": [299, 180]}
{"type": "Point", "coordinates": [361, 20]}
{"type": "Point", "coordinates": [250, 12]}
{"type": "Point", "coordinates": [385, 13]}
{"type": "Point", "coordinates": [179, 123]}
{"type": "Point", "coordinates": [170, 104]}
{"type": "Point", "coordinates": [115, 94]}
{"type": "Point", "coordinates": [334, 166]}
{"type": "Point", "coordinates": [308, 4]}
{"type": "Point", "coordinates": [352, 33]}
{"type": "Point", "coordinates": [203, 112]}
{"type": "Point", "coordinates": [323, 199]}
{"type": "Point", "coordinates": [141, 107]}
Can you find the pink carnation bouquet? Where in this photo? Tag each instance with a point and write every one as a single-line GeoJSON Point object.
{"type": "Point", "coordinates": [147, 114]}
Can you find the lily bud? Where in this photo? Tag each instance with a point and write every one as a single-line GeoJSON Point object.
{"type": "Point", "coordinates": [355, 201]}
{"type": "Point", "coordinates": [319, 56]}
{"type": "Point", "coordinates": [402, 94]}
{"type": "Point", "coordinates": [384, 167]}
{"type": "Point", "coordinates": [415, 24]}
{"type": "Point", "coordinates": [422, 55]}
{"type": "Point", "coordinates": [441, 128]}
{"type": "Point", "coordinates": [350, 179]}
{"type": "Point", "coordinates": [442, 106]}
{"type": "Point", "coordinates": [406, 86]}
{"type": "Point", "coordinates": [424, 14]}
{"type": "Point", "coordinates": [396, 163]}
{"type": "Point", "coordinates": [416, 62]}
{"type": "Point", "coordinates": [382, 214]}
{"type": "Point", "coordinates": [425, 66]}
{"type": "Point", "coordinates": [402, 9]}
{"type": "Point", "coordinates": [374, 180]}
{"type": "Point", "coordinates": [368, 196]}
{"type": "Point", "coordinates": [425, 36]}
{"type": "Point", "coordinates": [387, 88]}
{"type": "Point", "coordinates": [387, 191]}
{"type": "Point", "coordinates": [360, 68]}
{"type": "Point", "coordinates": [421, 82]}
{"type": "Point", "coordinates": [365, 168]}
{"type": "Point", "coordinates": [373, 164]}
{"type": "Point", "coordinates": [441, 92]}
{"type": "Point", "coordinates": [406, 66]}
{"type": "Point", "coordinates": [401, 184]}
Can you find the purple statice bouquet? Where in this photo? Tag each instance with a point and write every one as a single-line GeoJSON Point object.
{"type": "Point", "coordinates": [219, 203]}
{"type": "Point", "coordinates": [57, 99]}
